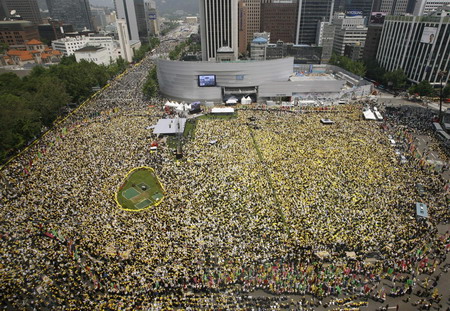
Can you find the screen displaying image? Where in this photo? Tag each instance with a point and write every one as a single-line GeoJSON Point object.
{"type": "Point", "coordinates": [206, 80]}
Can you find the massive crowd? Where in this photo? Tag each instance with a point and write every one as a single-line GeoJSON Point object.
{"type": "Point", "coordinates": [280, 205]}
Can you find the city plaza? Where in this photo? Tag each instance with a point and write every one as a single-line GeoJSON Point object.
{"type": "Point", "coordinates": [281, 212]}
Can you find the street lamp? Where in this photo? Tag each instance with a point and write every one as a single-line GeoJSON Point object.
{"type": "Point", "coordinates": [441, 74]}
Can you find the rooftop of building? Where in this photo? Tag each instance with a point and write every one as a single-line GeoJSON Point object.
{"type": "Point", "coordinates": [15, 22]}
{"type": "Point", "coordinates": [34, 42]}
{"type": "Point", "coordinates": [90, 49]}
{"type": "Point", "coordinates": [260, 40]}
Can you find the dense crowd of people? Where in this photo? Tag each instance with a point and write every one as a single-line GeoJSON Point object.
{"type": "Point", "coordinates": [279, 205]}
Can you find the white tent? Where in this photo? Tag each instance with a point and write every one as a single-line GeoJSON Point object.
{"type": "Point", "coordinates": [231, 101]}
{"type": "Point", "coordinates": [369, 115]}
{"type": "Point", "coordinates": [222, 110]}
{"type": "Point", "coordinates": [246, 100]}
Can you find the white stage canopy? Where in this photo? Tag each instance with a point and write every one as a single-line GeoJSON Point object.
{"type": "Point", "coordinates": [222, 110]}
{"type": "Point", "coordinates": [170, 126]}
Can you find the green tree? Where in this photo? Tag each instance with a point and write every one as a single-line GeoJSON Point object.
{"type": "Point", "coordinates": [3, 47]}
{"type": "Point", "coordinates": [423, 88]}
{"type": "Point", "coordinates": [150, 88]}
{"type": "Point", "coordinates": [48, 99]}
{"type": "Point", "coordinates": [10, 83]}
{"type": "Point", "coordinates": [346, 63]}
{"type": "Point", "coordinates": [395, 79]}
{"type": "Point", "coordinates": [374, 71]}
{"type": "Point", "coordinates": [446, 91]}
{"type": "Point", "coordinates": [18, 124]}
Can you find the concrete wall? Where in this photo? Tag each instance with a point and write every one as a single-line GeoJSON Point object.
{"type": "Point", "coordinates": [178, 80]}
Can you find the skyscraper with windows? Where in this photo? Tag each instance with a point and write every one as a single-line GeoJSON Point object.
{"type": "Point", "coordinates": [393, 7]}
{"type": "Point", "coordinates": [218, 27]}
{"type": "Point", "coordinates": [75, 12]}
{"type": "Point", "coordinates": [420, 45]}
{"type": "Point", "coordinates": [253, 17]}
{"type": "Point", "coordinates": [27, 9]}
{"type": "Point", "coordinates": [310, 12]}
{"type": "Point", "coordinates": [126, 10]}
{"type": "Point", "coordinates": [280, 19]}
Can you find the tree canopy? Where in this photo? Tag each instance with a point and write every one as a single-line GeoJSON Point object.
{"type": "Point", "coordinates": [30, 104]}
{"type": "Point", "coordinates": [346, 63]}
{"type": "Point", "coordinates": [424, 88]}
{"type": "Point", "coordinates": [395, 79]}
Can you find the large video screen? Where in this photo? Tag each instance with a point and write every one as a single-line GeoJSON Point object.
{"type": "Point", "coordinates": [206, 80]}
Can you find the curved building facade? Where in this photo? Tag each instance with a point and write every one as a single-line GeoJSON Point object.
{"type": "Point", "coordinates": [180, 80]}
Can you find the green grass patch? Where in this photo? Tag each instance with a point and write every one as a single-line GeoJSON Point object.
{"type": "Point", "coordinates": [218, 116]}
{"type": "Point", "coordinates": [189, 129]}
{"type": "Point", "coordinates": [141, 189]}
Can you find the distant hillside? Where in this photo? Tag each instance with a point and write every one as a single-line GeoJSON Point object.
{"type": "Point", "coordinates": [170, 6]}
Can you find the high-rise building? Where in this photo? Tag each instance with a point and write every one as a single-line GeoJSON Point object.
{"type": "Point", "coordinates": [218, 26]}
{"type": "Point", "coordinates": [310, 12]}
{"type": "Point", "coordinates": [348, 36]}
{"type": "Point", "coordinates": [420, 45]}
{"type": "Point", "coordinates": [126, 10]}
{"type": "Point", "coordinates": [54, 30]}
{"type": "Point", "coordinates": [99, 18]}
{"type": "Point", "coordinates": [242, 24]}
{"type": "Point", "coordinates": [124, 40]}
{"type": "Point", "coordinates": [253, 17]}
{"type": "Point", "coordinates": [280, 19]}
{"type": "Point", "coordinates": [75, 12]}
{"type": "Point", "coordinates": [349, 30]}
{"type": "Point", "coordinates": [27, 9]}
{"type": "Point", "coordinates": [354, 51]}
{"type": "Point", "coordinates": [325, 39]}
{"type": "Point", "coordinates": [372, 41]}
{"type": "Point", "coordinates": [17, 32]}
{"type": "Point", "coordinates": [152, 18]}
{"type": "Point", "coordinates": [141, 20]}
{"type": "Point", "coordinates": [258, 49]}
{"type": "Point", "coordinates": [426, 6]}
{"type": "Point", "coordinates": [363, 6]}
{"type": "Point", "coordinates": [393, 7]}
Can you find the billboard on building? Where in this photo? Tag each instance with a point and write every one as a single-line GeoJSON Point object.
{"type": "Point", "coordinates": [151, 16]}
{"type": "Point", "coordinates": [352, 13]}
{"type": "Point", "coordinates": [377, 17]}
{"type": "Point", "coordinates": [428, 35]}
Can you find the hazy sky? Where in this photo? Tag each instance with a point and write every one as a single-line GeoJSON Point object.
{"type": "Point", "coordinates": [108, 3]}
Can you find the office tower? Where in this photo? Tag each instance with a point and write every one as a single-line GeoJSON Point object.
{"type": "Point", "coordinates": [363, 6]}
{"type": "Point", "coordinates": [139, 8]}
{"type": "Point", "coordinates": [372, 41]}
{"type": "Point", "coordinates": [124, 40]}
{"type": "Point", "coordinates": [99, 18]}
{"type": "Point", "coordinates": [253, 17]}
{"type": "Point", "coordinates": [393, 7]}
{"type": "Point", "coordinates": [27, 9]}
{"type": "Point", "coordinates": [75, 12]}
{"type": "Point", "coordinates": [420, 45]}
{"type": "Point", "coordinates": [126, 10]}
{"type": "Point", "coordinates": [325, 39]}
{"type": "Point", "coordinates": [310, 12]}
{"type": "Point", "coordinates": [54, 30]}
{"type": "Point", "coordinates": [348, 36]}
{"type": "Point", "coordinates": [23, 32]}
{"type": "Point", "coordinates": [152, 17]}
{"type": "Point", "coordinates": [218, 26]}
{"type": "Point", "coordinates": [280, 19]}
{"type": "Point", "coordinates": [349, 30]}
{"type": "Point", "coordinates": [426, 6]}
{"type": "Point", "coordinates": [242, 24]}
